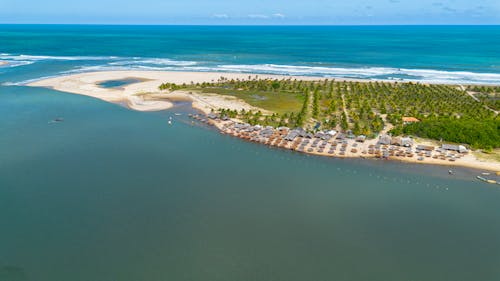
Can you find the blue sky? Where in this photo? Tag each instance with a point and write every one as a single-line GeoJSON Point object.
{"type": "Point", "coordinates": [262, 12]}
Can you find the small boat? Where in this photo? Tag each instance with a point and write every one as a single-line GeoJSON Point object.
{"type": "Point", "coordinates": [485, 174]}
{"type": "Point", "coordinates": [481, 178]}
{"type": "Point", "coordinates": [450, 172]}
{"type": "Point", "coordinates": [177, 114]}
{"type": "Point", "coordinates": [57, 120]}
{"type": "Point", "coordinates": [170, 122]}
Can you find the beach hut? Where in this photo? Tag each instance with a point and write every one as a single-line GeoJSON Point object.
{"type": "Point", "coordinates": [291, 135]}
{"type": "Point", "coordinates": [396, 141]}
{"type": "Point", "coordinates": [453, 147]}
{"type": "Point", "coordinates": [212, 116]}
{"type": "Point", "coordinates": [361, 138]}
{"type": "Point", "coordinates": [425, 147]}
{"type": "Point", "coordinates": [407, 142]}
{"type": "Point", "coordinates": [385, 140]}
{"type": "Point", "coordinates": [331, 133]}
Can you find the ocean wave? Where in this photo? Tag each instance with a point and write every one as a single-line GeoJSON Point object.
{"type": "Point", "coordinates": [14, 63]}
{"type": "Point", "coordinates": [370, 73]}
{"type": "Point", "coordinates": [20, 60]}
{"type": "Point", "coordinates": [35, 58]}
{"type": "Point", "coordinates": [152, 61]}
{"type": "Point", "coordinates": [110, 63]}
{"type": "Point", "coordinates": [96, 68]}
{"type": "Point", "coordinates": [125, 62]}
{"type": "Point", "coordinates": [26, 82]}
{"type": "Point", "coordinates": [309, 70]}
{"type": "Point", "coordinates": [388, 73]}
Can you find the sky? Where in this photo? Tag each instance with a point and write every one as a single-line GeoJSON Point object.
{"type": "Point", "coordinates": [251, 12]}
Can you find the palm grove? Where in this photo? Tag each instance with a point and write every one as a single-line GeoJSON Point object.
{"type": "Point", "coordinates": [447, 112]}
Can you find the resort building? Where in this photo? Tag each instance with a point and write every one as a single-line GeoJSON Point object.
{"type": "Point", "coordinates": [385, 140]}
{"type": "Point", "coordinates": [405, 141]}
{"type": "Point", "coordinates": [453, 147]}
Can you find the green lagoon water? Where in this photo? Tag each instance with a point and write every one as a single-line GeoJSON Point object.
{"type": "Point", "coordinates": [113, 194]}
{"type": "Point", "coordinates": [116, 195]}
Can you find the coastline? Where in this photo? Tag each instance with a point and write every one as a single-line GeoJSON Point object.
{"type": "Point", "coordinates": [145, 96]}
{"type": "Point", "coordinates": [87, 84]}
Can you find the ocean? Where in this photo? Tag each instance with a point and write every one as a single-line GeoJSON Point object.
{"type": "Point", "coordinates": [113, 194]}
{"type": "Point", "coordinates": [445, 54]}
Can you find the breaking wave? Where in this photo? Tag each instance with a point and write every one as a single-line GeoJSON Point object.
{"type": "Point", "coordinates": [384, 73]}
{"type": "Point", "coordinates": [124, 62]}
{"type": "Point", "coordinates": [108, 63]}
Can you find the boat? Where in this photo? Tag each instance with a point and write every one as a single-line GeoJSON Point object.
{"type": "Point", "coordinates": [57, 120]}
{"type": "Point", "coordinates": [485, 174]}
{"type": "Point", "coordinates": [170, 122]}
{"type": "Point", "coordinates": [481, 178]}
{"type": "Point", "coordinates": [177, 114]}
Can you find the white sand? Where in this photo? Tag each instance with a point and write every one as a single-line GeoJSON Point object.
{"type": "Point", "coordinates": [87, 84]}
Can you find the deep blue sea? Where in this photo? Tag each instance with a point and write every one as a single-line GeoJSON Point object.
{"type": "Point", "coordinates": [448, 54]}
{"type": "Point", "coordinates": [112, 194]}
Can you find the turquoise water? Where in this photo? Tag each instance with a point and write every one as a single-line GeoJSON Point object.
{"type": "Point", "coordinates": [448, 54]}
{"type": "Point", "coordinates": [113, 194]}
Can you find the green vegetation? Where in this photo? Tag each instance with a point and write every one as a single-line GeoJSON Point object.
{"type": "Point", "coordinates": [479, 134]}
{"type": "Point", "coordinates": [446, 112]}
{"type": "Point", "coordinates": [489, 95]}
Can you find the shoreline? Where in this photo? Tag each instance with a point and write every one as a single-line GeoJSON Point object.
{"type": "Point", "coordinates": [474, 164]}
{"type": "Point", "coordinates": [146, 96]}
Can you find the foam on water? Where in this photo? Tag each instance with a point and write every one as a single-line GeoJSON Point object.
{"type": "Point", "coordinates": [23, 57]}
{"type": "Point", "coordinates": [382, 73]}
{"type": "Point", "coordinates": [109, 63]}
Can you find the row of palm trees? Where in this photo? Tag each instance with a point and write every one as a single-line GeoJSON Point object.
{"type": "Point", "coordinates": [363, 107]}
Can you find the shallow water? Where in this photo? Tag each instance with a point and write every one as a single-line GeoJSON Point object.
{"type": "Point", "coordinates": [119, 83]}
{"type": "Point", "coordinates": [112, 194]}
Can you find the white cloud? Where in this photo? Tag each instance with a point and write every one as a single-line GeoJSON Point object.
{"type": "Point", "coordinates": [220, 16]}
{"type": "Point", "coordinates": [257, 16]}
{"type": "Point", "coordinates": [278, 15]}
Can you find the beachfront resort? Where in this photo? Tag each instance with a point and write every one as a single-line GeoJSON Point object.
{"type": "Point", "coordinates": [436, 124]}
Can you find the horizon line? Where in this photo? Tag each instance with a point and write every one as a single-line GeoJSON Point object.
{"type": "Point", "coordinates": [291, 25]}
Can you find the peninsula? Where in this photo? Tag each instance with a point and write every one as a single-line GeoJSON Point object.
{"type": "Point", "coordinates": [411, 122]}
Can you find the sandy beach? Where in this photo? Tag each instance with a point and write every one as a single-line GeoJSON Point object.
{"type": "Point", "coordinates": [133, 94]}
{"type": "Point", "coordinates": [146, 96]}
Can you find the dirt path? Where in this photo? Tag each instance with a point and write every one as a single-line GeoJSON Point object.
{"type": "Point", "coordinates": [476, 99]}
